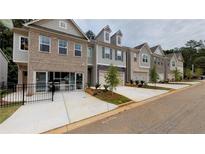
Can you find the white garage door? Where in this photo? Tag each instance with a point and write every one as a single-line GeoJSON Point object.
{"type": "Point", "coordinates": [102, 77]}
{"type": "Point", "coordinates": [141, 76]}
{"type": "Point", "coordinates": [161, 76]}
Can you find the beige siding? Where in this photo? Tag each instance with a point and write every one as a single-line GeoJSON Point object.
{"type": "Point", "coordinates": [39, 61]}
{"type": "Point", "coordinates": [141, 63]}
{"type": "Point", "coordinates": [54, 24]}
{"type": "Point", "coordinates": [103, 61]}
{"type": "Point", "coordinates": [3, 68]}
{"type": "Point", "coordinates": [18, 54]}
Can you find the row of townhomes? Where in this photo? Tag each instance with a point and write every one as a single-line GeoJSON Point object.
{"type": "Point", "coordinates": [59, 51]}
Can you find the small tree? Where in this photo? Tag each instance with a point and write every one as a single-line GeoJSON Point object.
{"type": "Point", "coordinates": [177, 74]}
{"type": "Point", "coordinates": [153, 75]}
{"type": "Point", "coordinates": [188, 73]}
{"type": "Point", "coordinates": [198, 72]}
{"type": "Point", "coordinates": [90, 34]}
{"type": "Point", "coordinates": [111, 78]}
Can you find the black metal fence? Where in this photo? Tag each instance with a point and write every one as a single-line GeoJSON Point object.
{"type": "Point", "coordinates": [15, 94]}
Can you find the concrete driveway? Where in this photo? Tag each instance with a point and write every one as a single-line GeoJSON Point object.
{"type": "Point", "coordinates": [138, 94]}
{"type": "Point", "coordinates": [42, 116]}
{"type": "Point", "coordinates": [172, 86]}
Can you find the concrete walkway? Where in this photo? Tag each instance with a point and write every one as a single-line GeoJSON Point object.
{"type": "Point", "coordinates": [138, 94]}
{"type": "Point", "coordinates": [68, 107]}
{"type": "Point", "coordinates": [172, 86]}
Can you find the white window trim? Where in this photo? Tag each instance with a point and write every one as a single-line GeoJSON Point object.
{"type": "Point", "coordinates": [141, 59]}
{"type": "Point", "coordinates": [64, 23]}
{"type": "Point", "coordinates": [108, 41]}
{"type": "Point", "coordinates": [90, 56]}
{"type": "Point", "coordinates": [20, 43]}
{"type": "Point", "coordinates": [120, 40]}
{"type": "Point", "coordinates": [147, 58]}
{"type": "Point", "coordinates": [119, 56]}
{"type": "Point", "coordinates": [63, 47]}
{"type": "Point", "coordinates": [135, 56]}
{"type": "Point", "coordinates": [108, 52]}
{"type": "Point", "coordinates": [80, 49]}
{"type": "Point", "coordinates": [39, 47]}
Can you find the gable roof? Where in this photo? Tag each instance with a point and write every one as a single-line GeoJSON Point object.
{"type": "Point", "coordinates": [139, 47]}
{"type": "Point", "coordinates": [72, 21]}
{"type": "Point", "coordinates": [179, 56]}
{"type": "Point", "coordinates": [118, 33]}
{"type": "Point", "coordinates": [170, 55]}
{"type": "Point", "coordinates": [4, 55]}
{"type": "Point", "coordinates": [106, 28]}
{"type": "Point", "coordinates": [154, 48]}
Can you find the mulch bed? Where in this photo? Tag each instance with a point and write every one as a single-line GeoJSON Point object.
{"type": "Point", "coordinates": [108, 96]}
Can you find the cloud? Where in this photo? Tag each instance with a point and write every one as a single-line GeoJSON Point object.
{"type": "Point", "coordinates": [168, 33]}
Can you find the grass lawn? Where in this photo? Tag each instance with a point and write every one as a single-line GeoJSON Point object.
{"type": "Point", "coordinates": [6, 112]}
{"type": "Point", "coordinates": [108, 96]}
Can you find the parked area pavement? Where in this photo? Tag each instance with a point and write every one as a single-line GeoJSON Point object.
{"type": "Point", "coordinates": [170, 85]}
{"type": "Point", "coordinates": [179, 112]}
{"type": "Point", "coordinates": [138, 94]}
{"type": "Point", "coordinates": [42, 116]}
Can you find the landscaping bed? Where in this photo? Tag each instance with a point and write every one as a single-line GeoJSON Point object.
{"type": "Point", "coordinates": [6, 112]}
{"type": "Point", "coordinates": [108, 96]}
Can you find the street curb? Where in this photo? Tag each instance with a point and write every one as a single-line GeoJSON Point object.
{"type": "Point", "coordinates": [119, 109]}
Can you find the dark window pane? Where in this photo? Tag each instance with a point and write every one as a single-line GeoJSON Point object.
{"type": "Point", "coordinates": [24, 43]}
{"type": "Point", "coordinates": [44, 47]}
{"type": "Point", "coordinates": [77, 53]}
{"type": "Point", "coordinates": [63, 50]}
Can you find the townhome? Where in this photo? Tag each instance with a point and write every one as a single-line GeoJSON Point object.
{"type": "Point", "coordinates": [158, 59]}
{"type": "Point", "coordinates": [175, 61]}
{"type": "Point", "coordinates": [51, 50]}
{"type": "Point", "coordinates": [103, 51]}
{"type": "Point", "coordinates": [139, 62]}
{"type": "Point", "coordinates": [3, 68]}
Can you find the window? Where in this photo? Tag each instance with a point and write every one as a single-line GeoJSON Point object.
{"type": "Point", "coordinates": [62, 47]}
{"type": "Point", "coordinates": [78, 50]}
{"type": "Point", "coordinates": [135, 57]}
{"type": "Point", "coordinates": [173, 63]}
{"type": "Point", "coordinates": [23, 43]}
{"type": "Point", "coordinates": [119, 40]}
{"type": "Point", "coordinates": [107, 37]}
{"type": "Point", "coordinates": [108, 53]}
{"type": "Point", "coordinates": [62, 24]}
{"type": "Point", "coordinates": [90, 52]}
{"type": "Point", "coordinates": [119, 55]}
{"type": "Point", "coordinates": [145, 58]}
{"type": "Point", "coordinates": [44, 43]}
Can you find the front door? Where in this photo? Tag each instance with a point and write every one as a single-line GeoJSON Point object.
{"type": "Point", "coordinates": [79, 81]}
{"type": "Point", "coordinates": [24, 77]}
{"type": "Point", "coordinates": [41, 81]}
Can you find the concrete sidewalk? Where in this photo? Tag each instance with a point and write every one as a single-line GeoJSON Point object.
{"type": "Point", "coordinates": [138, 94]}
{"type": "Point", "coordinates": [172, 86]}
{"type": "Point", "coordinates": [43, 116]}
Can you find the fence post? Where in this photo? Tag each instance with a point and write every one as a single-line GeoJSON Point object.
{"type": "Point", "coordinates": [53, 90]}
{"type": "Point", "coordinates": [23, 93]}
{"type": "Point", "coordinates": [1, 98]}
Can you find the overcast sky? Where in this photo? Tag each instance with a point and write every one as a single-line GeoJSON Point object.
{"type": "Point", "coordinates": [168, 33]}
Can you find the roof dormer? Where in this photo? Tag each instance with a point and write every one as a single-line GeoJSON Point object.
{"type": "Point", "coordinates": [117, 38]}
{"type": "Point", "coordinates": [104, 34]}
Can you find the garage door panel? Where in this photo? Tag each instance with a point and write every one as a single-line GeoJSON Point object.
{"type": "Point", "coordinates": [102, 77]}
{"type": "Point", "coordinates": [141, 76]}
